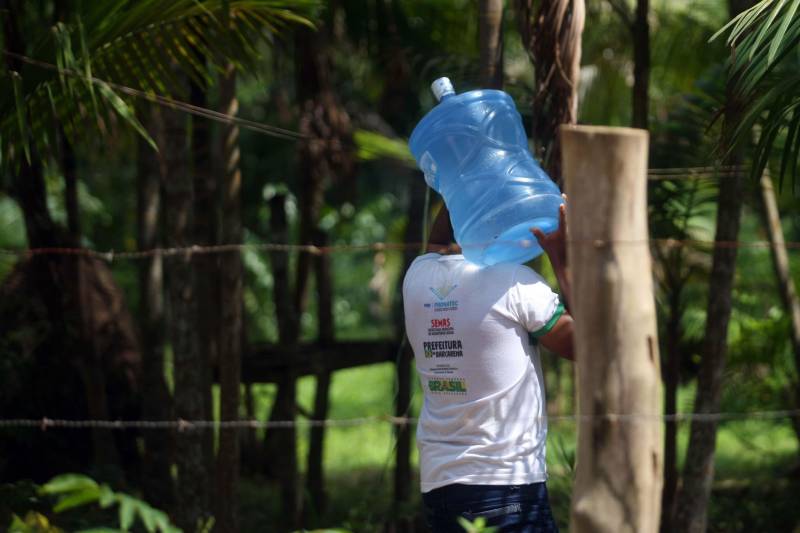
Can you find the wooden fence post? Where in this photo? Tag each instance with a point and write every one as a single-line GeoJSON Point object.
{"type": "Point", "coordinates": [619, 470]}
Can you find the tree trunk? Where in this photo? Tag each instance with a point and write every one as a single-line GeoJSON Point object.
{"type": "Point", "coordinates": [671, 374]}
{"type": "Point", "coordinates": [490, 43]}
{"type": "Point", "coordinates": [28, 189]}
{"type": "Point", "coordinates": [399, 101]}
{"type": "Point", "coordinates": [206, 266]}
{"type": "Point", "coordinates": [641, 65]}
{"type": "Point", "coordinates": [402, 467]}
{"type": "Point", "coordinates": [552, 38]}
{"type": "Point", "coordinates": [698, 470]}
{"type": "Point", "coordinates": [326, 335]}
{"type": "Point", "coordinates": [639, 26]}
{"type": "Point", "coordinates": [280, 443]}
{"type": "Point", "coordinates": [156, 402]}
{"type": "Point", "coordinates": [285, 315]}
{"type": "Point", "coordinates": [70, 187]}
{"type": "Point", "coordinates": [780, 260]}
{"type": "Point", "coordinates": [230, 361]}
{"type": "Point", "coordinates": [618, 482]}
{"type": "Point", "coordinates": [190, 395]}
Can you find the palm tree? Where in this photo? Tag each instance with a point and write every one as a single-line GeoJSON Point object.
{"type": "Point", "coordinates": [764, 39]}
{"type": "Point", "coordinates": [698, 472]}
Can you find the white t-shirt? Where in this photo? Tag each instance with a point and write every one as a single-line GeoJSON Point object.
{"type": "Point", "coordinates": [483, 421]}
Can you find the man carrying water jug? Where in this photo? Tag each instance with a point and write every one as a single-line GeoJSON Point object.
{"type": "Point", "coordinates": [475, 333]}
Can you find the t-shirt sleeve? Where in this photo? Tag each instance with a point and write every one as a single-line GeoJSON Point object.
{"type": "Point", "coordinates": [533, 303]}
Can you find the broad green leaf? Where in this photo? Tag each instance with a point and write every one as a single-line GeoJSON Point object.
{"type": "Point", "coordinates": [78, 499]}
{"type": "Point", "coordinates": [107, 497]}
{"type": "Point", "coordinates": [127, 510]}
{"type": "Point", "coordinates": [68, 483]}
{"type": "Point", "coordinates": [149, 519]}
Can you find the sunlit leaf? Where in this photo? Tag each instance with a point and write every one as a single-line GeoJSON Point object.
{"type": "Point", "coordinates": [68, 483]}
{"type": "Point", "coordinates": [127, 510]}
{"type": "Point", "coordinates": [78, 499]}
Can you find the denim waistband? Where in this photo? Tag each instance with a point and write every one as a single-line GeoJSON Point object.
{"type": "Point", "coordinates": [457, 492]}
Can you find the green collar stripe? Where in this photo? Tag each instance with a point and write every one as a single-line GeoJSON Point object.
{"type": "Point", "coordinates": [550, 323]}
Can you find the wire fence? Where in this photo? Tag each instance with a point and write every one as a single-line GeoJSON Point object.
{"type": "Point", "coordinates": [195, 425]}
{"type": "Point", "coordinates": [184, 251]}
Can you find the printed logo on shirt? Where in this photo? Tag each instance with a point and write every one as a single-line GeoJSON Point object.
{"type": "Point", "coordinates": [442, 293]}
{"type": "Point", "coordinates": [440, 326]}
{"type": "Point", "coordinates": [442, 349]}
{"type": "Point", "coordinates": [447, 386]}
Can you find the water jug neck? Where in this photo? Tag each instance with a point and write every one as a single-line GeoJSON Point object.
{"type": "Point", "coordinates": [442, 88]}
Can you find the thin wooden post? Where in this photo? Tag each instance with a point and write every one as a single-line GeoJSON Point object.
{"type": "Point", "coordinates": [780, 260]}
{"type": "Point", "coordinates": [619, 472]}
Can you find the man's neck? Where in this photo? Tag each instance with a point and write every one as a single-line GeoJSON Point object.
{"type": "Point", "coordinates": [444, 249]}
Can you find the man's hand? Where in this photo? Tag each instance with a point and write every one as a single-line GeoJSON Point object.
{"type": "Point", "coordinates": [555, 244]}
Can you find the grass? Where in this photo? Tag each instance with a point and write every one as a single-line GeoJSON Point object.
{"type": "Point", "coordinates": [751, 487]}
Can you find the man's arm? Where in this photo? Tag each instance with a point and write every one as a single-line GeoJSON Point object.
{"type": "Point", "coordinates": [559, 340]}
{"type": "Point", "coordinates": [555, 245]}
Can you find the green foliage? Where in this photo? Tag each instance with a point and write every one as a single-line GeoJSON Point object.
{"type": "Point", "coordinates": [478, 526]}
{"type": "Point", "coordinates": [144, 46]}
{"type": "Point", "coordinates": [373, 145]}
{"type": "Point", "coordinates": [765, 69]}
{"type": "Point", "coordinates": [32, 523]}
{"type": "Point", "coordinates": [74, 490]}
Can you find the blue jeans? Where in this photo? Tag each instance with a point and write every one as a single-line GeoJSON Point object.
{"type": "Point", "coordinates": [509, 508]}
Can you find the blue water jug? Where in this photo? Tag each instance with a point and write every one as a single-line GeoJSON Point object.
{"type": "Point", "coordinates": [473, 151]}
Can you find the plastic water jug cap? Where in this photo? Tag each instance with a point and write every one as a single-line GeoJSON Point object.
{"type": "Point", "coordinates": [442, 87]}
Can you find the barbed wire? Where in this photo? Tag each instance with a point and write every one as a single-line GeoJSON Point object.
{"type": "Point", "coordinates": [112, 255]}
{"type": "Point", "coordinates": [194, 425]}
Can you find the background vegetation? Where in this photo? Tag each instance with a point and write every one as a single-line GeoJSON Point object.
{"type": "Point", "coordinates": [341, 84]}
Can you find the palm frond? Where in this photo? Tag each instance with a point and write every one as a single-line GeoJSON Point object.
{"type": "Point", "coordinates": [764, 65]}
{"type": "Point", "coordinates": [146, 45]}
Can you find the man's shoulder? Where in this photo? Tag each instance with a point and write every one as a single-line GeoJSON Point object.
{"type": "Point", "coordinates": [413, 271]}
